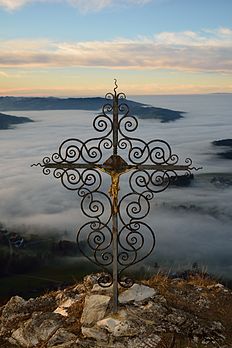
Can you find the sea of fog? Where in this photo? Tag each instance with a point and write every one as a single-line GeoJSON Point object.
{"type": "Point", "coordinates": [191, 224]}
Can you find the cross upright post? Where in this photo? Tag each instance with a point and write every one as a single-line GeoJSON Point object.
{"type": "Point", "coordinates": [116, 232]}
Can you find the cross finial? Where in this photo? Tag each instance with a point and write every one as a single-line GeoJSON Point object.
{"type": "Point", "coordinates": [116, 86]}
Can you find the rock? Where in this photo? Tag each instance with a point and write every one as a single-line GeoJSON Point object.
{"type": "Point", "coordinates": [39, 328]}
{"type": "Point", "coordinates": [145, 321]}
{"type": "Point", "coordinates": [104, 290]}
{"type": "Point", "coordinates": [90, 280]}
{"type": "Point", "coordinates": [66, 345]}
{"type": "Point", "coordinates": [41, 304]}
{"type": "Point", "coordinates": [117, 325]}
{"type": "Point", "coordinates": [62, 338]}
{"type": "Point", "coordinates": [16, 306]}
{"type": "Point", "coordinates": [136, 293]}
{"type": "Point", "coordinates": [62, 309]}
{"type": "Point", "coordinates": [94, 309]}
{"type": "Point", "coordinates": [151, 341]}
{"type": "Point", "coordinates": [95, 333]}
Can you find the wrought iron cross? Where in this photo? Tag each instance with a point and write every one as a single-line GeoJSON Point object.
{"type": "Point", "coordinates": [124, 238]}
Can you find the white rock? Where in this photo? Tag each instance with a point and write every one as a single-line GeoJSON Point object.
{"type": "Point", "coordinates": [62, 309]}
{"type": "Point", "coordinates": [94, 309]}
{"type": "Point", "coordinates": [93, 332]}
{"type": "Point", "coordinates": [116, 324]}
{"type": "Point", "coordinates": [136, 293]}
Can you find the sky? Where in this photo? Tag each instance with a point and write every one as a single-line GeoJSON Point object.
{"type": "Point", "coordinates": [77, 47]}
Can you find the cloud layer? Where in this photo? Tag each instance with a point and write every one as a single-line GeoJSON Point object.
{"type": "Point", "coordinates": [190, 224]}
{"type": "Point", "coordinates": [82, 5]}
{"type": "Point", "coordinates": [208, 50]}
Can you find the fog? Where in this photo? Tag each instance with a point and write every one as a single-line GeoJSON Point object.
{"type": "Point", "coordinates": [191, 224]}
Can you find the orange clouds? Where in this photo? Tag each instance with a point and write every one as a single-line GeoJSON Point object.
{"type": "Point", "coordinates": [208, 51]}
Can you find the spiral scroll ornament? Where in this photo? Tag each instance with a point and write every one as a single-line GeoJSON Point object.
{"type": "Point", "coordinates": [116, 235]}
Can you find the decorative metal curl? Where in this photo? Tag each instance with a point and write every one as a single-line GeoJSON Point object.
{"type": "Point", "coordinates": [117, 236]}
{"type": "Point", "coordinates": [136, 242]}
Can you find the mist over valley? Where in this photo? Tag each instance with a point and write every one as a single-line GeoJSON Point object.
{"type": "Point", "coordinates": [192, 222]}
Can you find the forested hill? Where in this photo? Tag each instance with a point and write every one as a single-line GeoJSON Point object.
{"type": "Point", "coordinates": [7, 121]}
{"type": "Point", "coordinates": [52, 103]}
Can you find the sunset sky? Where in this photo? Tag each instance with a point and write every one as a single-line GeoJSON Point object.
{"type": "Point", "coordinates": [77, 47]}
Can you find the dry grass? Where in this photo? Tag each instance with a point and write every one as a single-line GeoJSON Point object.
{"type": "Point", "coordinates": [186, 294]}
{"type": "Point", "coordinates": [160, 281]}
{"type": "Point", "coordinates": [75, 312]}
{"type": "Point", "coordinates": [201, 281]}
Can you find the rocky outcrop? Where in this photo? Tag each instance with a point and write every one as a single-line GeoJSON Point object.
{"type": "Point", "coordinates": [158, 313]}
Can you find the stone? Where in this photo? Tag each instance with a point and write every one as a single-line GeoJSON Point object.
{"type": "Point", "coordinates": [39, 328]}
{"type": "Point", "coordinates": [150, 341]}
{"type": "Point", "coordinates": [14, 307]}
{"type": "Point", "coordinates": [136, 293]}
{"type": "Point", "coordinates": [95, 333]}
{"type": "Point", "coordinates": [114, 326]}
{"type": "Point", "coordinates": [90, 280]}
{"type": "Point", "coordinates": [94, 309]}
{"type": "Point", "coordinates": [63, 307]}
{"type": "Point", "coordinates": [62, 311]}
{"type": "Point", "coordinates": [103, 290]}
{"type": "Point", "coordinates": [66, 345]}
{"type": "Point", "coordinates": [62, 337]}
{"type": "Point", "coordinates": [117, 324]}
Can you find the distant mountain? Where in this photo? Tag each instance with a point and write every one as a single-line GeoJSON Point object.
{"type": "Point", "coordinates": [51, 103]}
{"type": "Point", "coordinates": [225, 143]}
{"type": "Point", "coordinates": [7, 121]}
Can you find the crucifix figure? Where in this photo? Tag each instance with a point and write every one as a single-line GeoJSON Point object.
{"type": "Point", "coordinates": [117, 235]}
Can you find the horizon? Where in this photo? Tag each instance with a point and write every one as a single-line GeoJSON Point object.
{"type": "Point", "coordinates": [103, 96]}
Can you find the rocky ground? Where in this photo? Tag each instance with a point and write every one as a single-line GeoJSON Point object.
{"type": "Point", "coordinates": [160, 312]}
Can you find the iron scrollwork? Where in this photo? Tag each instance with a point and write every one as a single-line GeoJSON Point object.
{"type": "Point", "coordinates": [115, 218]}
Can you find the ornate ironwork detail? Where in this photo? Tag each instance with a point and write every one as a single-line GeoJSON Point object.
{"type": "Point", "coordinates": [117, 236]}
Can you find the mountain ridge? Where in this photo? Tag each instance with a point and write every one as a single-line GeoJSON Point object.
{"type": "Point", "coordinates": [92, 103]}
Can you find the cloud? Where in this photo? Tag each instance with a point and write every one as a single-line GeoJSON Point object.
{"type": "Point", "coordinates": [208, 50]}
{"type": "Point", "coordinates": [82, 5]}
{"type": "Point", "coordinates": [2, 73]}
{"type": "Point", "coordinates": [13, 4]}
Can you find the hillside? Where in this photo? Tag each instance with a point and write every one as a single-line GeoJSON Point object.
{"type": "Point", "coordinates": [7, 121]}
{"type": "Point", "coordinates": [51, 103]}
{"type": "Point", "coordinates": [157, 313]}
{"type": "Point", "coordinates": [227, 145]}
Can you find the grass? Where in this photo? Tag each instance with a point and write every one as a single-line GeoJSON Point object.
{"type": "Point", "coordinates": [184, 294]}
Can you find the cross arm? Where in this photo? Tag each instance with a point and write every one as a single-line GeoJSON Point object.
{"type": "Point", "coordinates": [154, 167]}
{"type": "Point", "coordinates": [163, 167]}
